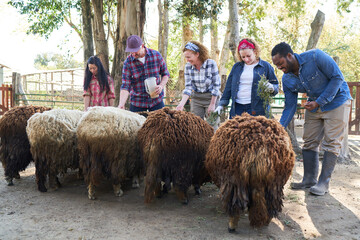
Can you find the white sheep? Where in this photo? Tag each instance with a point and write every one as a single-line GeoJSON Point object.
{"type": "Point", "coordinates": [107, 143]}
{"type": "Point", "coordinates": [52, 137]}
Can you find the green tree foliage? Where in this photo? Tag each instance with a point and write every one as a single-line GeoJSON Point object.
{"type": "Point", "coordinates": [343, 40]}
{"type": "Point", "coordinates": [345, 5]}
{"type": "Point", "coordinates": [51, 61]}
{"type": "Point", "coordinates": [251, 13]}
{"type": "Point", "coordinates": [45, 16]}
{"type": "Point", "coordinates": [201, 9]}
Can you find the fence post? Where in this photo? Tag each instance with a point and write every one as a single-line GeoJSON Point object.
{"type": "Point", "coordinates": [181, 81]}
{"type": "Point", "coordinates": [15, 89]}
{"type": "Point", "coordinates": [167, 95]}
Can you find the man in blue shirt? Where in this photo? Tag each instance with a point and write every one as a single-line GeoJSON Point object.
{"type": "Point", "coordinates": [327, 109]}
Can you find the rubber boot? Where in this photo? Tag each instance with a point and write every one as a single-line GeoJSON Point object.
{"type": "Point", "coordinates": [311, 170]}
{"type": "Point", "coordinates": [328, 166]}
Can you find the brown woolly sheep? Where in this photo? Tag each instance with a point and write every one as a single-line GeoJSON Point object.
{"type": "Point", "coordinates": [108, 147]}
{"type": "Point", "coordinates": [14, 146]}
{"type": "Point", "coordinates": [173, 145]}
{"type": "Point", "coordinates": [250, 159]}
{"type": "Point", "coordinates": [53, 145]}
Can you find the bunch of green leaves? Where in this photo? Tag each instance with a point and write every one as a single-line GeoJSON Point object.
{"type": "Point", "coordinates": [212, 118]}
{"type": "Point", "coordinates": [265, 95]}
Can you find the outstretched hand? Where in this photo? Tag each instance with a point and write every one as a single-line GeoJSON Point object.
{"type": "Point", "coordinates": [179, 107]}
{"type": "Point", "coordinates": [219, 109]}
{"type": "Point", "coordinates": [270, 87]}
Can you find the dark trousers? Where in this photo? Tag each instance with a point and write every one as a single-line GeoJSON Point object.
{"type": "Point", "coordinates": [140, 109]}
{"type": "Point", "coordinates": [241, 108]}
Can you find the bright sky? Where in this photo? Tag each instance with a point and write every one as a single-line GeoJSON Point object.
{"type": "Point", "coordinates": [18, 50]}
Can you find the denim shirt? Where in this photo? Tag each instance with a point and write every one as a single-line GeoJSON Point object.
{"type": "Point", "coordinates": [320, 78]}
{"type": "Point", "coordinates": [233, 82]}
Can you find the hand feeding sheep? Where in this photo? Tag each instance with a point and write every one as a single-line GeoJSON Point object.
{"type": "Point", "coordinates": [108, 147]}
{"type": "Point", "coordinates": [173, 145]}
{"type": "Point", "coordinates": [52, 137]}
{"type": "Point", "coordinates": [250, 159]}
{"type": "Point", "coordinates": [14, 146]}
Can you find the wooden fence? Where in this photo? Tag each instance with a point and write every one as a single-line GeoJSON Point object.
{"type": "Point", "coordinates": [7, 102]}
{"type": "Point", "coordinates": [55, 89]}
{"type": "Point", "coordinates": [63, 89]}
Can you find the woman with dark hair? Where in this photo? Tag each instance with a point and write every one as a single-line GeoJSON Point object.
{"type": "Point", "coordinates": [98, 85]}
{"type": "Point", "coordinates": [202, 80]}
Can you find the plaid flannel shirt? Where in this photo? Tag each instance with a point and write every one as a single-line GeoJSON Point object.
{"type": "Point", "coordinates": [134, 74]}
{"type": "Point", "coordinates": [98, 98]}
{"type": "Point", "coordinates": [205, 80]}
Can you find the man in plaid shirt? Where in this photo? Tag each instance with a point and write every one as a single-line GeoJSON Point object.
{"type": "Point", "coordinates": [141, 64]}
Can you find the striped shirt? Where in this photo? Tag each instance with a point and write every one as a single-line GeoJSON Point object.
{"type": "Point", "coordinates": [134, 74]}
{"type": "Point", "coordinates": [205, 80]}
{"type": "Point", "coordinates": [98, 98]}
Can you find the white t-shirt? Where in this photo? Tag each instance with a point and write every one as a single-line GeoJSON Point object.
{"type": "Point", "coordinates": [245, 86]}
{"type": "Point", "coordinates": [142, 59]}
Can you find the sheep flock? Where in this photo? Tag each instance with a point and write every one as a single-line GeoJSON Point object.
{"type": "Point", "coordinates": [248, 158]}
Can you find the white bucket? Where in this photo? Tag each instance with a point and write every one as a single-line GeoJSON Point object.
{"type": "Point", "coordinates": [150, 86]}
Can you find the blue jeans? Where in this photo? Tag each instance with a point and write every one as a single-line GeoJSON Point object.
{"type": "Point", "coordinates": [140, 109]}
{"type": "Point", "coordinates": [241, 108]}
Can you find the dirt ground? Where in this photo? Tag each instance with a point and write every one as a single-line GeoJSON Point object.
{"type": "Point", "coordinates": [67, 213]}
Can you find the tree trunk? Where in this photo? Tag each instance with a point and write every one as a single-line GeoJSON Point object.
{"type": "Point", "coordinates": [87, 36]}
{"type": "Point", "coordinates": [166, 30]}
{"type": "Point", "coordinates": [214, 37]}
{"type": "Point", "coordinates": [101, 43]}
{"type": "Point", "coordinates": [126, 25]}
{"type": "Point", "coordinates": [225, 52]}
{"type": "Point", "coordinates": [234, 27]}
{"type": "Point", "coordinates": [186, 37]}
{"type": "Point", "coordinates": [316, 28]}
{"type": "Point", "coordinates": [201, 30]}
{"type": "Point", "coordinates": [163, 28]}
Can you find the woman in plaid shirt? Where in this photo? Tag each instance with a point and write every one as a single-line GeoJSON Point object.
{"type": "Point", "coordinates": [98, 85]}
{"type": "Point", "coordinates": [202, 80]}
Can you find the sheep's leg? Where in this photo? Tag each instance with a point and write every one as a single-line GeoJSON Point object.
{"type": "Point", "coordinates": [17, 175]}
{"type": "Point", "coordinates": [135, 182]}
{"type": "Point", "coordinates": [182, 195]}
{"type": "Point", "coordinates": [197, 189]}
{"type": "Point", "coordinates": [53, 180]}
{"type": "Point", "coordinates": [158, 192]}
{"type": "Point", "coordinates": [91, 192]}
{"type": "Point", "coordinates": [40, 175]}
{"type": "Point", "coordinates": [233, 222]}
{"type": "Point", "coordinates": [10, 176]}
{"type": "Point", "coordinates": [9, 180]}
{"type": "Point", "coordinates": [117, 190]}
{"type": "Point", "coordinates": [167, 185]}
{"type": "Point", "coordinates": [58, 184]}
{"type": "Point", "coordinates": [80, 174]}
